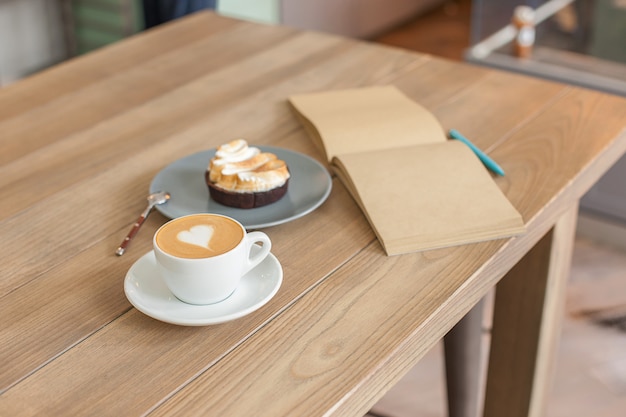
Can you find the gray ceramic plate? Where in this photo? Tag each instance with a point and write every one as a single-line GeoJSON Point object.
{"type": "Point", "coordinates": [309, 186]}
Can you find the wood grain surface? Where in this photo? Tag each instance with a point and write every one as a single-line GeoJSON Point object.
{"type": "Point", "coordinates": [80, 143]}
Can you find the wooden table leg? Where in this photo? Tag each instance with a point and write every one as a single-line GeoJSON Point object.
{"type": "Point", "coordinates": [528, 311]}
{"type": "Point", "coordinates": [463, 360]}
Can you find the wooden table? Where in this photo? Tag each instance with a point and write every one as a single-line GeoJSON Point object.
{"type": "Point", "coordinates": [80, 143]}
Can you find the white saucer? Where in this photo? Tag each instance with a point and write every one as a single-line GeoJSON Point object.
{"type": "Point", "coordinates": [146, 291]}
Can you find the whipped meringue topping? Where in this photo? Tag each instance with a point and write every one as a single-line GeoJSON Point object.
{"type": "Point", "coordinates": [241, 168]}
{"type": "Point", "coordinates": [235, 151]}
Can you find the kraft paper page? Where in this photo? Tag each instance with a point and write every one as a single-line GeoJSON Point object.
{"type": "Point", "coordinates": [365, 119]}
{"type": "Point", "coordinates": [426, 197]}
{"type": "Point", "coordinates": [417, 189]}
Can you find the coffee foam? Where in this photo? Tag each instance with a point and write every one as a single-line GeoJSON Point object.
{"type": "Point", "coordinates": [199, 236]}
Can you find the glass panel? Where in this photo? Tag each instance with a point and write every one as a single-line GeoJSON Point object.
{"type": "Point", "coordinates": [593, 27]}
{"type": "Point", "coordinates": [578, 41]}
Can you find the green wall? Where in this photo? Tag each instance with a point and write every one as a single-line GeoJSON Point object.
{"type": "Point", "coordinates": [264, 11]}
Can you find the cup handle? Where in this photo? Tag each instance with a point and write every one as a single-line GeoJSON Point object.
{"type": "Point", "coordinates": [254, 260]}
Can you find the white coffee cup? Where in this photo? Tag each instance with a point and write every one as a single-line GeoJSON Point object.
{"type": "Point", "coordinates": [202, 257]}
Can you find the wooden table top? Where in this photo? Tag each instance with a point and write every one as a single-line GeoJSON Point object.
{"type": "Point", "coordinates": [81, 142]}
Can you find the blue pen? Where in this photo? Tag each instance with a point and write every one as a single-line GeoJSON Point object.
{"type": "Point", "coordinates": [489, 163]}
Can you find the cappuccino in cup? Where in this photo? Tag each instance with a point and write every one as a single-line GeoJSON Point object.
{"type": "Point", "coordinates": [202, 257]}
{"type": "Point", "coordinates": [199, 236]}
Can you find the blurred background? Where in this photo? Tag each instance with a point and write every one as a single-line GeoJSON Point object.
{"type": "Point", "coordinates": [35, 34]}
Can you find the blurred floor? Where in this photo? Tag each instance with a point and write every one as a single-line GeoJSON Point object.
{"type": "Point", "coordinates": [444, 31]}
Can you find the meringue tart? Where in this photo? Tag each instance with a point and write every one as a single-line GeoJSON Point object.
{"type": "Point", "coordinates": [243, 176]}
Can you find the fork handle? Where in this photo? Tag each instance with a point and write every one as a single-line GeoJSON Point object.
{"type": "Point", "coordinates": [122, 248]}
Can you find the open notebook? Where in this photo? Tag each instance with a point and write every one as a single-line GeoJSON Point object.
{"type": "Point", "coordinates": [417, 189]}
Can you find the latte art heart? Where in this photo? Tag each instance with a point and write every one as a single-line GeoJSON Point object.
{"type": "Point", "coordinates": [199, 235]}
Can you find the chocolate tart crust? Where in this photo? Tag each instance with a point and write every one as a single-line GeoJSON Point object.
{"type": "Point", "coordinates": [246, 200]}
